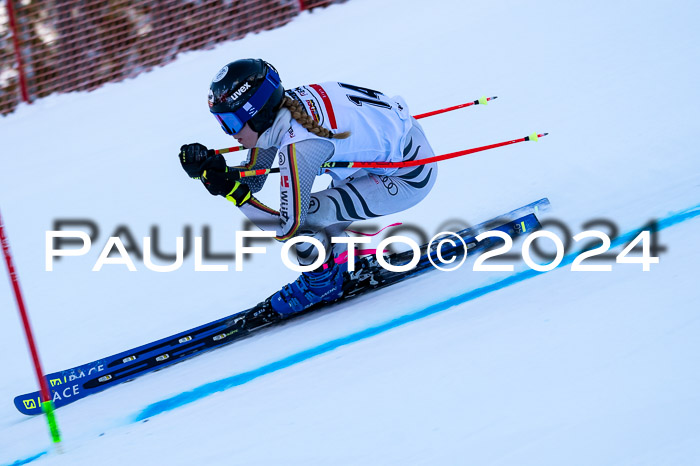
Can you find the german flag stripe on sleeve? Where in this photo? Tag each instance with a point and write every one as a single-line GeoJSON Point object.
{"type": "Point", "coordinates": [259, 205]}
{"type": "Point", "coordinates": [253, 157]}
{"type": "Point", "coordinates": [296, 193]}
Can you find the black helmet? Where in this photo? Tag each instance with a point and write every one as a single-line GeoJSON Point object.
{"type": "Point", "coordinates": [243, 91]}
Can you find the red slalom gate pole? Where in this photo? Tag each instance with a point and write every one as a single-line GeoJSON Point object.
{"type": "Point", "coordinates": [47, 403]}
{"type": "Point", "coordinates": [481, 101]}
{"type": "Point", "coordinates": [18, 54]}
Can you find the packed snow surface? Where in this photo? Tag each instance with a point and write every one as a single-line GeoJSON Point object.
{"type": "Point", "coordinates": [490, 368]}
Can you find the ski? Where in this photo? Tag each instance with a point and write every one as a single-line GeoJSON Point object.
{"type": "Point", "coordinates": [78, 382]}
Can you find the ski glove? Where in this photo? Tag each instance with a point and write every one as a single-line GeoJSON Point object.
{"type": "Point", "coordinates": [195, 158]}
{"type": "Point", "coordinates": [222, 183]}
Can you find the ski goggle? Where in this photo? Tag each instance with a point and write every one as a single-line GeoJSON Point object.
{"type": "Point", "coordinates": [232, 122]}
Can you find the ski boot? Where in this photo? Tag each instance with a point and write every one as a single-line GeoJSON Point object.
{"type": "Point", "coordinates": [322, 284]}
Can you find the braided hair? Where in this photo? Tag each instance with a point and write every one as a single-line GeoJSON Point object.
{"type": "Point", "coordinates": [305, 120]}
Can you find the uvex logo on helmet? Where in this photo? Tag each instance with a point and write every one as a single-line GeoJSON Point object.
{"type": "Point", "coordinates": [240, 91]}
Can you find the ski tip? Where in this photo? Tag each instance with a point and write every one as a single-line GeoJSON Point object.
{"type": "Point", "coordinates": [493, 98]}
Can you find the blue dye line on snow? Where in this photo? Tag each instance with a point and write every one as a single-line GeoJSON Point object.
{"type": "Point", "coordinates": [245, 377]}
{"type": "Point", "coordinates": [28, 460]}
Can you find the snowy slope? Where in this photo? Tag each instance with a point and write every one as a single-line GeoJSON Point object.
{"type": "Point", "coordinates": [563, 368]}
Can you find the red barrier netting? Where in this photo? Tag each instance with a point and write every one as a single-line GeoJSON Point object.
{"type": "Point", "coordinates": [70, 45]}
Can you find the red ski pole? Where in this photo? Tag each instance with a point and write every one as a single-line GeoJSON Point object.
{"type": "Point", "coordinates": [481, 101]}
{"type": "Point", "coordinates": [412, 163]}
{"type": "Point", "coordinates": [47, 403]}
{"type": "Point", "coordinates": [225, 150]}
{"type": "Point", "coordinates": [437, 158]}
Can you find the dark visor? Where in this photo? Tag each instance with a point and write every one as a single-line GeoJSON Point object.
{"type": "Point", "coordinates": [232, 122]}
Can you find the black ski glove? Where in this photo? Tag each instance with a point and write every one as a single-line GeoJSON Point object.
{"type": "Point", "coordinates": [223, 183]}
{"type": "Point", "coordinates": [195, 158]}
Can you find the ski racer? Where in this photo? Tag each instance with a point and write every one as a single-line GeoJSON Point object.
{"type": "Point", "coordinates": [303, 128]}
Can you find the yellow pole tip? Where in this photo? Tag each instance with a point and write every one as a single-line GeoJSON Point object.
{"type": "Point", "coordinates": [533, 136]}
{"type": "Point", "coordinates": [483, 100]}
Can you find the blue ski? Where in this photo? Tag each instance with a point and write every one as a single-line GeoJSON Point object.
{"type": "Point", "coordinates": [73, 384]}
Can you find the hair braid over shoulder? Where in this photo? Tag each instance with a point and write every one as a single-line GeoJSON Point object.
{"type": "Point", "coordinates": [305, 120]}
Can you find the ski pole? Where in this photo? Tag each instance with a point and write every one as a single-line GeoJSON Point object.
{"type": "Point", "coordinates": [226, 150]}
{"type": "Point", "coordinates": [532, 137]}
{"type": "Point", "coordinates": [481, 101]}
{"type": "Point", "coordinates": [46, 402]}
